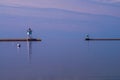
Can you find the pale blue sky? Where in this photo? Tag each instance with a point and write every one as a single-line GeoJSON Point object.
{"type": "Point", "coordinates": [68, 15]}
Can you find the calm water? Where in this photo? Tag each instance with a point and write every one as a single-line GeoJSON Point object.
{"type": "Point", "coordinates": [60, 58]}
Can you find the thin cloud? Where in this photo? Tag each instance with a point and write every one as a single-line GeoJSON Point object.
{"type": "Point", "coordinates": [108, 1]}
{"type": "Point", "coordinates": [83, 6]}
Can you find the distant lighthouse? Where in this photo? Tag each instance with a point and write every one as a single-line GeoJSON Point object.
{"type": "Point", "coordinates": [29, 33]}
{"type": "Point", "coordinates": [87, 37]}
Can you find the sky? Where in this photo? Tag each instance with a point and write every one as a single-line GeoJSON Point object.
{"type": "Point", "coordinates": [60, 13]}
{"type": "Point", "coordinates": [105, 7]}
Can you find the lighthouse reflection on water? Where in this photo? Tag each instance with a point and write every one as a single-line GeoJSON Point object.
{"type": "Point", "coordinates": [29, 45]}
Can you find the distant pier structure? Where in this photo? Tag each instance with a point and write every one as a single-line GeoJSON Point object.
{"type": "Point", "coordinates": [87, 38]}
{"type": "Point", "coordinates": [29, 37]}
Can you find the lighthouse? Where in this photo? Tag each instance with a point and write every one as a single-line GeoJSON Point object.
{"type": "Point", "coordinates": [29, 33]}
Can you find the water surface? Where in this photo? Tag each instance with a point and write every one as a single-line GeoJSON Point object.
{"type": "Point", "coordinates": [56, 58]}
